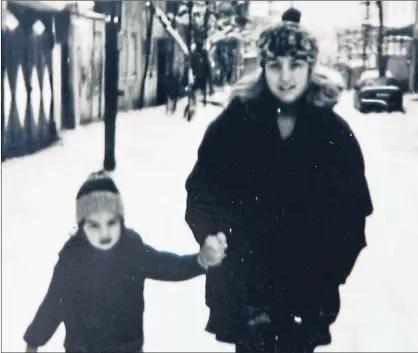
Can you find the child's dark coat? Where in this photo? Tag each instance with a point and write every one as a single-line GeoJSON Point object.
{"type": "Point", "coordinates": [100, 295]}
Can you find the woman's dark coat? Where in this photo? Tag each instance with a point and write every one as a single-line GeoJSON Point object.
{"type": "Point", "coordinates": [293, 211]}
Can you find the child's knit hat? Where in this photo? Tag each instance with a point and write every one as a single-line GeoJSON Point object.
{"type": "Point", "coordinates": [98, 193]}
{"type": "Point", "coordinates": [288, 38]}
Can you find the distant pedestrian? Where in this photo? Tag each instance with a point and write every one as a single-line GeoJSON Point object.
{"type": "Point", "coordinates": [283, 177]}
{"type": "Point", "coordinates": [174, 88]}
{"type": "Point", "coordinates": [202, 71]}
{"type": "Point", "coordinates": [97, 289]}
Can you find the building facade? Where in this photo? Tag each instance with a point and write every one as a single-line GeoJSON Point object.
{"type": "Point", "coordinates": [399, 13]}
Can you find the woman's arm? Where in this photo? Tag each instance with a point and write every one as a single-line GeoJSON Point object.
{"type": "Point", "coordinates": [351, 206]}
{"type": "Point", "coordinates": [210, 185]}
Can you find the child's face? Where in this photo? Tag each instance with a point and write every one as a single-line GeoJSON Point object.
{"type": "Point", "coordinates": [103, 229]}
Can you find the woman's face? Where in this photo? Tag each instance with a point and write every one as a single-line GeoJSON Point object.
{"type": "Point", "coordinates": [287, 78]}
{"type": "Point", "coordinates": [103, 229]}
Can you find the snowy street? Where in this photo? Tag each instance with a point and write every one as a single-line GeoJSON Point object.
{"type": "Point", "coordinates": [154, 155]}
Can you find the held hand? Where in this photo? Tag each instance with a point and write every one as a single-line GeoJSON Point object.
{"type": "Point", "coordinates": [213, 250]}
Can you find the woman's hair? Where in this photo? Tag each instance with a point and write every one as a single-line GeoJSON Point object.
{"type": "Point", "coordinates": [250, 87]}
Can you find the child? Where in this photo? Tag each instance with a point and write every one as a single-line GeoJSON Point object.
{"type": "Point", "coordinates": [98, 283]}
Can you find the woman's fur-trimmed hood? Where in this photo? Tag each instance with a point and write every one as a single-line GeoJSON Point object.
{"type": "Point", "coordinates": [322, 92]}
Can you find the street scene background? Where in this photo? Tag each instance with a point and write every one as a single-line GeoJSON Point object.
{"type": "Point", "coordinates": [54, 117]}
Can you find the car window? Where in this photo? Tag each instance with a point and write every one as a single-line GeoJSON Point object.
{"type": "Point", "coordinates": [379, 81]}
{"type": "Point", "coordinates": [369, 82]}
{"type": "Point", "coordinates": [392, 82]}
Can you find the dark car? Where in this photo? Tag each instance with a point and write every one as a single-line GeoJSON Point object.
{"type": "Point", "coordinates": [378, 94]}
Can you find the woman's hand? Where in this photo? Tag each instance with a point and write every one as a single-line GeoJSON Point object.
{"type": "Point", "coordinates": [213, 250]}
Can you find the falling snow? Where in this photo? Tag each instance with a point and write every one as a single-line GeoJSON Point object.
{"type": "Point", "coordinates": [155, 153]}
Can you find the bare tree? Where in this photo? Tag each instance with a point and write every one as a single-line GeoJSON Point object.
{"type": "Point", "coordinates": [191, 102]}
{"type": "Point", "coordinates": [206, 33]}
{"type": "Point", "coordinates": [148, 48]}
{"type": "Point", "coordinates": [366, 33]}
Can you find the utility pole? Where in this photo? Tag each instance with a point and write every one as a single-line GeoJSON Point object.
{"type": "Point", "coordinates": [112, 10]}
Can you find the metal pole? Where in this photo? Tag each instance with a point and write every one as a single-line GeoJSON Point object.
{"type": "Point", "coordinates": [111, 82]}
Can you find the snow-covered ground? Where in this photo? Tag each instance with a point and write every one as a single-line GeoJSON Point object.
{"type": "Point", "coordinates": [155, 153]}
{"type": "Point", "coordinates": [379, 302]}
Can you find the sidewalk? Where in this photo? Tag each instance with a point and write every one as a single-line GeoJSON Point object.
{"type": "Point", "coordinates": [154, 155]}
{"type": "Point", "coordinates": [379, 305]}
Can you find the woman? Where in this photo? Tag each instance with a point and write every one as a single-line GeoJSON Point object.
{"type": "Point", "coordinates": [282, 176]}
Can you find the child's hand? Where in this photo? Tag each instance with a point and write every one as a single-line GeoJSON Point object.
{"type": "Point", "coordinates": [213, 250]}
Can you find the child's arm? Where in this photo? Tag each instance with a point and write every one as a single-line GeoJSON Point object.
{"type": "Point", "coordinates": [166, 266]}
{"type": "Point", "coordinates": [49, 315]}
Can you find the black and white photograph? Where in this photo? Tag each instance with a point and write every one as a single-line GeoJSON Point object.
{"type": "Point", "coordinates": [209, 176]}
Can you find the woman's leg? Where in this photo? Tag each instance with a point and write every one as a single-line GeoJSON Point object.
{"type": "Point", "coordinates": [256, 341]}
{"type": "Point", "coordinates": [266, 341]}
{"type": "Point", "coordinates": [248, 346]}
{"type": "Point", "coordinates": [295, 348]}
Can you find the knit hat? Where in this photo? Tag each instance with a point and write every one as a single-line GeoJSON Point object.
{"type": "Point", "coordinates": [288, 38]}
{"type": "Point", "coordinates": [98, 193]}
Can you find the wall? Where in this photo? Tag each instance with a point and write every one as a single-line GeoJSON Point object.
{"type": "Point", "coordinates": [130, 58]}
{"type": "Point", "coordinates": [132, 55]}
{"type": "Point", "coordinates": [87, 43]}
{"type": "Point", "coordinates": [399, 13]}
